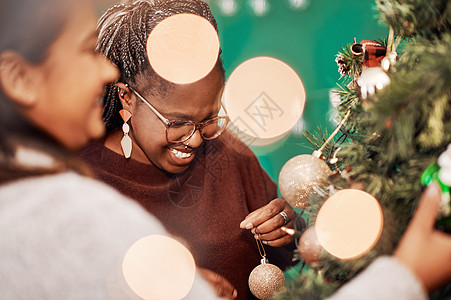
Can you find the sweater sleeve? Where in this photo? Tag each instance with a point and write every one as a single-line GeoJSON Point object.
{"type": "Point", "coordinates": [386, 278]}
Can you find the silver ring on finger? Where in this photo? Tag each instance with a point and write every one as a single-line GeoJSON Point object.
{"type": "Point", "coordinates": [285, 217]}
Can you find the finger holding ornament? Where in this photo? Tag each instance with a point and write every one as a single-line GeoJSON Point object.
{"type": "Point", "coordinates": [273, 237]}
{"type": "Point", "coordinates": [278, 242]}
{"type": "Point", "coordinates": [273, 227]}
{"type": "Point", "coordinates": [278, 209]}
{"type": "Point", "coordinates": [272, 234]}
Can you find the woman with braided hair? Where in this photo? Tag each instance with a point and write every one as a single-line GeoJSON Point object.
{"type": "Point", "coordinates": [206, 187]}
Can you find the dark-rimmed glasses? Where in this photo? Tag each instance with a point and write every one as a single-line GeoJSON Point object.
{"type": "Point", "coordinates": [179, 131]}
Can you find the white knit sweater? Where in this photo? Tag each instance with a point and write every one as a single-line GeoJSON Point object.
{"type": "Point", "coordinates": [64, 237]}
{"type": "Point", "coordinates": [385, 279]}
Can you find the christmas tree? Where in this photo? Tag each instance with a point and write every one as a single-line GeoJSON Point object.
{"type": "Point", "coordinates": [394, 122]}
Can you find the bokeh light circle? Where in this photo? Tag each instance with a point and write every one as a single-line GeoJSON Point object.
{"type": "Point", "coordinates": [264, 98]}
{"type": "Point", "coordinates": [349, 223]}
{"type": "Point", "coordinates": [183, 48]}
{"type": "Point", "coordinates": [158, 267]}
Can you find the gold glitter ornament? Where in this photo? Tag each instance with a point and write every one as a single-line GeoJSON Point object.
{"type": "Point", "coordinates": [299, 176]}
{"type": "Point", "coordinates": [266, 280]}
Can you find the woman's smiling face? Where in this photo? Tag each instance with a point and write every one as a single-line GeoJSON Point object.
{"type": "Point", "coordinates": [195, 102]}
{"type": "Point", "coordinates": [72, 80]}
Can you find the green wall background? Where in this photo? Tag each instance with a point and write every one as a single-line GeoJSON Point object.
{"type": "Point", "coordinates": [308, 41]}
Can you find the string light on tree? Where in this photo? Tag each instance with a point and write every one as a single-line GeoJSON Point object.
{"type": "Point", "coordinates": [228, 7]}
{"type": "Point", "coordinates": [260, 7]}
{"type": "Point", "coordinates": [298, 4]}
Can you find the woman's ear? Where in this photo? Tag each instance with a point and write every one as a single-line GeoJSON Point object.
{"type": "Point", "coordinates": [125, 95]}
{"type": "Point", "coordinates": [18, 78]}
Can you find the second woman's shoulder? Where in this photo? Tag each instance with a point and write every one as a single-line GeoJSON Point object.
{"type": "Point", "coordinates": [69, 192]}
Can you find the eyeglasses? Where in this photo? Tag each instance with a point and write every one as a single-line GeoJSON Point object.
{"type": "Point", "coordinates": [179, 131]}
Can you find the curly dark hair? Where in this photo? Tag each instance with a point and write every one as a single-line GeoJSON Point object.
{"type": "Point", "coordinates": [123, 33]}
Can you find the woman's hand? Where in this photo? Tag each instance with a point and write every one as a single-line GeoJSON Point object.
{"type": "Point", "coordinates": [266, 222]}
{"type": "Point", "coordinates": [426, 251]}
{"type": "Point", "coordinates": [222, 286]}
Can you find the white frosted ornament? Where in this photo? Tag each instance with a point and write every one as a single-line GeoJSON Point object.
{"type": "Point", "coordinates": [372, 79]}
{"type": "Point", "coordinates": [299, 176]}
{"type": "Point", "coordinates": [266, 280]}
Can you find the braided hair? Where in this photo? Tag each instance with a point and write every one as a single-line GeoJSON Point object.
{"type": "Point", "coordinates": [123, 33]}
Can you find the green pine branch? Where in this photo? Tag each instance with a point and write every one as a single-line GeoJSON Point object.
{"type": "Point", "coordinates": [392, 137]}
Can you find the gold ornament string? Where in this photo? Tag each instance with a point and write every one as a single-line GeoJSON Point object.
{"type": "Point", "coordinates": [260, 247]}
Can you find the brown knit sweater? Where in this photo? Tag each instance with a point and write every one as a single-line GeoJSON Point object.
{"type": "Point", "coordinates": [204, 205]}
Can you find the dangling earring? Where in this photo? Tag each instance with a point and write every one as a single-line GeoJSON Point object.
{"type": "Point", "coordinates": [126, 142]}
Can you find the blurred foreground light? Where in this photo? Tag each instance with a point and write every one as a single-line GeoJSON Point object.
{"type": "Point", "coordinates": [158, 267]}
{"type": "Point", "coordinates": [183, 48]}
{"type": "Point", "coordinates": [264, 98]}
{"type": "Point", "coordinates": [349, 223]}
